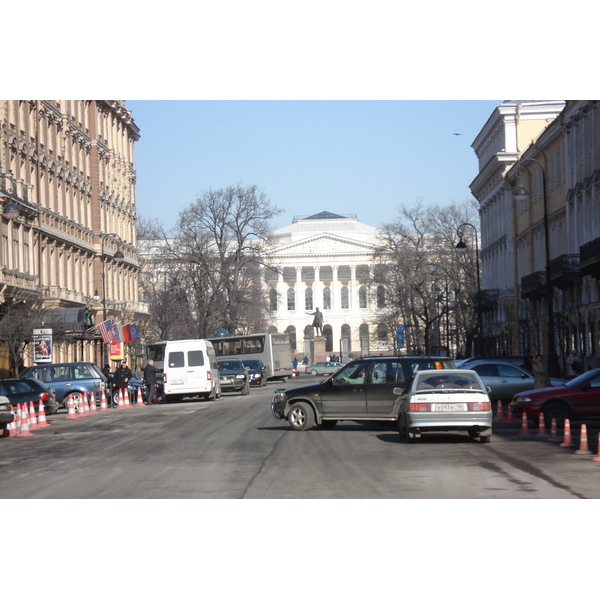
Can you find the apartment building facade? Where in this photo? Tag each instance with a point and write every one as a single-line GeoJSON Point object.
{"type": "Point", "coordinates": [540, 216]}
{"type": "Point", "coordinates": [67, 193]}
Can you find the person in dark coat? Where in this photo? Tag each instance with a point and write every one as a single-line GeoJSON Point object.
{"type": "Point", "coordinates": [150, 372]}
{"type": "Point", "coordinates": [121, 377]}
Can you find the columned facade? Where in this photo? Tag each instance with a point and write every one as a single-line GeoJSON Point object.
{"type": "Point", "coordinates": [324, 261]}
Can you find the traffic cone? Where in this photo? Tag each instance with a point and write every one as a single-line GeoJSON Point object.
{"type": "Point", "coordinates": [140, 401]}
{"type": "Point", "coordinates": [510, 418]}
{"type": "Point", "coordinates": [42, 416]}
{"type": "Point", "coordinates": [93, 409]}
{"type": "Point", "coordinates": [553, 431]}
{"type": "Point", "coordinates": [103, 405]}
{"type": "Point", "coordinates": [32, 418]}
{"type": "Point", "coordinates": [23, 430]}
{"type": "Point", "coordinates": [542, 427]}
{"type": "Point", "coordinates": [597, 458]}
{"type": "Point", "coordinates": [120, 405]}
{"type": "Point", "coordinates": [71, 414]}
{"type": "Point", "coordinates": [126, 398]}
{"type": "Point", "coordinates": [524, 427]}
{"type": "Point", "coordinates": [567, 440]}
{"type": "Point", "coordinates": [499, 414]}
{"type": "Point", "coordinates": [583, 442]}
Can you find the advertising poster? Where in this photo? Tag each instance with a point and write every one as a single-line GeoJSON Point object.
{"type": "Point", "coordinates": [117, 351]}
{"type": "Point", "coordinates": [42, 345]}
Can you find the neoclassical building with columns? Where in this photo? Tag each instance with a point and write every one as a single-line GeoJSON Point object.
{"type": "Point", "coordinates": [325, 261]}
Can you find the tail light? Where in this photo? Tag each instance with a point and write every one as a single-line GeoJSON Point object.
{"type": "Point", "coordinates": [479, 406]}
{"type": "Point", "coordinates": [44, 397]}
{"type": "Point", "coordinates": [419, 407]}
{"type": "Point", "coordinates": [164, 378]}
{"type": "Point", "coordinates": [208, 375]}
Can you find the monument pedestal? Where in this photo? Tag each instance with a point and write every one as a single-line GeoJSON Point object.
{"type": "Point", "coordinates": [319, 354]}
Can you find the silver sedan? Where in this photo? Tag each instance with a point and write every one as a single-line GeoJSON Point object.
{"type": "Point", "coordinates": [446, 400]}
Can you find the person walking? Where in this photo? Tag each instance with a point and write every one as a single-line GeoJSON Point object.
{"type": "Point", "coordinates": [150, 372]}
{"type": "Point", "coordinates": [121, 377]}
{"type": "Point", "coordinates": [540, 373]}
{"type": "Point", "coordinates": [574, 364]}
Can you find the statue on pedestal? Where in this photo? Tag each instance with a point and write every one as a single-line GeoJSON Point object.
{"type": "Point", "coordinates": [317, 321]}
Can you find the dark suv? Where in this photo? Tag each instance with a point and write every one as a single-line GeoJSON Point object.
{"type": "Point", "coordinates": [360, 391]}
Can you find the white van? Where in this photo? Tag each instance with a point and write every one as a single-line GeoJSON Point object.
{"type": "Point", "coordinates": [189, 368]}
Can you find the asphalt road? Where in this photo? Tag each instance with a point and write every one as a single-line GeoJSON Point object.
{"type": "Point", "coordinates": [233, 448]}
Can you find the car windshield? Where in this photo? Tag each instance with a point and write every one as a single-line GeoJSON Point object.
{"type": "Point", "coordinates": [252, 364]}
{"type": "Point", "coordinates": [447, 381]}
{"type": "Point", "coordinates": [588, 375]}
{"type": "Point", "coordinates": [231, 365]}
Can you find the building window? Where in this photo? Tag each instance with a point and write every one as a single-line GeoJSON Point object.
{"type": "Point", "coordinates": [380, 296]}
{"type": "Point", "coordinates": [273, 300]}
{"type": "Point", "coordinates": [291, 299]}
{"type": "Point", "coordinates": [327, 298]}
{"type": "Point", "coordinates": [308, 298]}
{"type": "Point", "coordinates": [15, 241]}
{"type": "Point", "coordinates": [362, 296]}
{"type": "Point", "coordinates": [345, 298]}
{"type": "Point", "coordinates": [5, 243]}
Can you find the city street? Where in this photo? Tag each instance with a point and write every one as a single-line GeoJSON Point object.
{"type": "Point", "coordinates": [233, 448]}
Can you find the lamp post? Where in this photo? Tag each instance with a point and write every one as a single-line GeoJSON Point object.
{"type": "Point", "coordinates": [118, 257]}
{"type": "Point", "coordinates": [521, 194]}
{"type": "Point", "coordinates": [462, 248]}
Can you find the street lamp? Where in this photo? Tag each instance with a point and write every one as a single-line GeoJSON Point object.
{"type": "Point", "coordinates": [118, 257]}
{"type": "Point", "coordinates": [521, 194]}
{"type": "Point", "coordinates": [462, 248]}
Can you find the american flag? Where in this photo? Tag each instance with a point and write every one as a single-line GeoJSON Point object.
{"type": "Point", "coordinates": [106, 331]}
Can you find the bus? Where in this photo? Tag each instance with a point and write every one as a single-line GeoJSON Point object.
{"type": "Point", "coordinates": [274, 349]}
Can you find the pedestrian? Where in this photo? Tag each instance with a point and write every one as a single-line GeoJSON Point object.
{"type": "Point", "coordinates": [295, 363]}
{"type": "Point", "coordinates": [540, 373]}
{"type": "Point", "coordinates": [150, 372]}
{"type": "Point", "coordinates": [573, 364]}
{"type": "Point", "coordinates": [121, 377]}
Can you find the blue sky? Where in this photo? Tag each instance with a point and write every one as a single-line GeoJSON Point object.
{"type": "Point", "coordinates": [360, 157]}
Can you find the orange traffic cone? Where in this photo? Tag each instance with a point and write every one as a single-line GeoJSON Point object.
{"type": "Point", "coordinates": [120, 405]}
{"type": "Point", "coordinates": [103, 405]}
{"type": "Point", "coordinates": [93, 409]}
{"type": "Point", "coordinates": [42, 416]}
{"type": "Point", "coordinates": [524, 428]}
{"type": "Point", "coordinates": [140, 401]}
{"type": "Point", "coordinates": [567, 440]}
{"type": "Point", "coordinates": [583, 442]}
{"type": "Point", "coordinates": [597, 458]}
{"type": "Point", "coordinates": [71, 414]}
{"type": "Point", "coordinates": [126, 398]}
{"type": "Point", "coordinates": [32, 417]}
{"type": "Point", "coordinates": [553, 431]}
{"type": "Point", "coordinates": [499, 414]}
{"type": "Point", "coordinates": [510, 418]}
{"type": "Point", "coordinates": [542, 427]}
{"type": "Point", "coordinates": [23, 430]}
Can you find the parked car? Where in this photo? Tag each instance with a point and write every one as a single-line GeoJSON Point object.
{"type": "Point", "coordinates": [576, 399]}
{"type": "Point", "coordinates": [21, 390]}
{"type": "Point", "coordinates": [520, 361]}
{"type": "Point", "coordinates": [450, 400]}
{"type": "Point", "coordinates": [256, 370]}
{"type": "Point", "coordinates": [505, 379]}
{"type": "Point", "coordinates": [323, 368]}
{"type": "Point", "coordinates": [134, 384]}
{"type": "Point", "coordinates": [71, 380]}
{"type": "Point", "coordinates": [6, 414]}
{"type": "Point", "coordinates": [362, 390]}
{"type": "Point", "coordinates": [234, 376]}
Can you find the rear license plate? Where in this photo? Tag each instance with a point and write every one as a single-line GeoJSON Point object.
{"type": "Point", "coordinates": [449, 407]}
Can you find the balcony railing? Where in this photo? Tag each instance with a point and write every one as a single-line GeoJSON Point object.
{"type": "Point", "coordinates": [489, 299]}
{"type": "Point", "coordinates": [533, 285]}
{"type": "Point", "coordinates": [564, 270]}
{"type": "Point", "coordinates": [589, 258]}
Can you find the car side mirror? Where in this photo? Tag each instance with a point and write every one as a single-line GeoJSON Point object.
{"type": "Point", "coordinates": [488, 389]}
{"type": "Point", "coordinates": [525, 376]}
{"type": "Point", "coordinates": [398, 391]}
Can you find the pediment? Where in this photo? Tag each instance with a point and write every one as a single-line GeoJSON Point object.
{"type": "Point", "coordinates": [323, 244]}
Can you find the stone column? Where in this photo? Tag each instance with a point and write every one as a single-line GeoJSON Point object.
{"type": "Point", "coordinates": [335, 292]}
{"type": "Point", "coordinates": [299, 295]}
{"type": "Point", "coordinates": [318, 292]}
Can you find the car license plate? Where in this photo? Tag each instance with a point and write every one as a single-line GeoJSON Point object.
{"type": "Point", "coordinates": [450, 407]}
{"type": "Point", "coordinates": [227, 380]}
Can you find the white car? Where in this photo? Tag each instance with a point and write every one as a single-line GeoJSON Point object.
{"type": "Point", "coordinates": [447, 400]}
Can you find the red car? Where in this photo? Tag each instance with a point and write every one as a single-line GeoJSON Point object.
{"type": "Point", "coordinates": [576, 399]}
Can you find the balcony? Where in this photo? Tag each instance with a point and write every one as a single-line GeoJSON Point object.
{"type": "Point", "coordinates": [589, 258]}
{"type": "Point", "coordinates": [564, 271]}
{"type": "Point", "coordinates": [533, 285]}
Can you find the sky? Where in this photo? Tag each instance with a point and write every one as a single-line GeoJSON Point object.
{"type": "Point", "coordinates": [355, 157]}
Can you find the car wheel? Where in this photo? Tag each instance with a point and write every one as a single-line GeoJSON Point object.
{"type": "Point", "coordinates": [75, 397]}
{"type": "Point", "coordinates": [301, 417]}
{"type": "Point", "coordinates": [329, 424]}
{"type": "Point", "coordinates": [314, 372]}
{"type": "Point", "coordinates": [558, 411]}
{"type": "Point", "coordinates": [485, 439]}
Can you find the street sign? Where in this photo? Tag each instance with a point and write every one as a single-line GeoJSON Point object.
{"type": "Point", "coordinates": [399, 336]}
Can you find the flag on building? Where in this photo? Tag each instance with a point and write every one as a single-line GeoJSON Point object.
{"type": "Point", "coordinates": [117, 332]}
{"type": "Point", "coordinates": [106, 331]}
{"type": "Point", "coordinates": [127, 336]}
{"type": "Point", "coordinates": [134, 331]}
